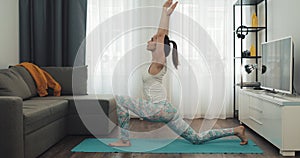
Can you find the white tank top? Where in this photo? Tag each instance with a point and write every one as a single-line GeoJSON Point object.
{"type": "Point", "coordinates": [153, 88]}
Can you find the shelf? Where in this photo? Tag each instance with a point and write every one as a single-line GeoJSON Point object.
{"type": "Point", "coordinates": [249, 84]}
{"type": "Point", "coordinates": [255, 29]}
{"type": "Point", "coordinates": [251, 29]}
{"type": "Point", "coordinates": [248, 2]}
{"type": "Point", "coordinates": [250, 57]}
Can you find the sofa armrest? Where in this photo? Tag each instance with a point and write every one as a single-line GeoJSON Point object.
{"type": "Point", "coordinates": [11, 127]}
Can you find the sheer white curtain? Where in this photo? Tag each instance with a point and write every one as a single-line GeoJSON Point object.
{"type": "Point", "coordinates": [117, 32]}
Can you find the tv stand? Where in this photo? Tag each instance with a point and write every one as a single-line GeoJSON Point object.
{"type": "Point", "coordinates": [272, 116]}
{"type": "Point", "coordinates": [277, 94]}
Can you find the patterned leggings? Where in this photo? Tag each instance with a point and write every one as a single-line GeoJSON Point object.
{"type": "Point", "coordinates": [162, 112]}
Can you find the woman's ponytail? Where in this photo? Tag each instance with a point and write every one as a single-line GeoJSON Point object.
{"type": "Point", "coordinates": [174, 54]}
{"type": "Point", "coordinates": [174, 50]}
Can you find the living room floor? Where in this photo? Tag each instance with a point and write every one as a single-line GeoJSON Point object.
{"type": "Point", "coordinates": [63, 148]}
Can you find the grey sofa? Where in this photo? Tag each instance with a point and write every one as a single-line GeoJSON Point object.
{"type": "Point", "coordinates": [29, 124]}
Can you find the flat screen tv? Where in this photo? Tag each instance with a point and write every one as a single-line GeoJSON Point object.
{"type": "Point", "coordinates": [277, 57]}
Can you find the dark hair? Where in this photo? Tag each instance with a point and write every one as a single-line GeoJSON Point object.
{"type": "Point", "coordinates": [167, 49]}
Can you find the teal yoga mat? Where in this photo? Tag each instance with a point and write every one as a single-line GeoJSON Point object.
{"type": "Point", "coordinates": [218, 146]}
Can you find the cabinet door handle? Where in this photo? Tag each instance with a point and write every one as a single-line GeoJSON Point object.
{"type": "Point", "coordinates": [255, 120]}
{"type": "Point", "coordinates": [257, 109]}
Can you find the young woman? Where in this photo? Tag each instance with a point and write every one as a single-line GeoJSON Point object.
{"type": "Point", "coordinates": [155, 106]}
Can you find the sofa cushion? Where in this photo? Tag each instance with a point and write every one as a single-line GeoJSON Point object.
{"type": "Point", "coordinates": [39, 113]}
{"type": "Point", "coordinates": [89, 104]}
{"type": "Point", "coordinates": [68, 77]}
{"type": "Point", "coordinates": [12, 84]}
{"type": "Point", "coordinates": [27, 78]}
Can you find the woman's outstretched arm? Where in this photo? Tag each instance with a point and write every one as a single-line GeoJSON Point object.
{"type": "Point", "coordinates": [168, 9]}
{"type": "Point", "coordinates": [163, 29]}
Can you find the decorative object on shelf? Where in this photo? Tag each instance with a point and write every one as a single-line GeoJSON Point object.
{"type": "Point", "coordinates": [254, 20]}
{"type": "Point", "coordinates": [239, 31]}
{"type": "Point", "coordinates": [252, 50]}
{"type": "Point", "coordinates": [246, 53]}
{"type": "Point", "coordinates": [263, 69]}
{"type": "Point", "coordinates": [251, 67]}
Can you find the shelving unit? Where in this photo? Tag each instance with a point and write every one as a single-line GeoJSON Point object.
{"type": "Point", "coordinates": [241, 4]}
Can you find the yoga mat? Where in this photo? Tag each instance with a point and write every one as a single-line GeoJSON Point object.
{"type": "Point", "coordinates": [141, 145]}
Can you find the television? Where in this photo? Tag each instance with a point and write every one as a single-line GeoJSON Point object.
{"type": "Point", "coordinates": [278, 59]}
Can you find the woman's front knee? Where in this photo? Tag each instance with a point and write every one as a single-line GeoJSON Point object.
{"type": "Point", "coordinates": [172, 116]}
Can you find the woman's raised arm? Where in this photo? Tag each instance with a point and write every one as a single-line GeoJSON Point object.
{"type": "Point", "coordinates": [168, 9]}
{"type": "Point", "coordinates": [158, 56]}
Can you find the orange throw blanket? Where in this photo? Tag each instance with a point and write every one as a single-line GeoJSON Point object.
{"type": "Point", "coordinates": [42, 79]}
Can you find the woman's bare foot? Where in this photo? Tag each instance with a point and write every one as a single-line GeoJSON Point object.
{"type": "Point", "coordinates": [120, 143]}
{"type": "Point", "coordinates": [240, 132]}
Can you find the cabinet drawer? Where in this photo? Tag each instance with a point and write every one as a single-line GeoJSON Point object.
{"type": "Point", "coordinates": [256, 114]}
{"type": "Point", "coordinates": [256, 110]}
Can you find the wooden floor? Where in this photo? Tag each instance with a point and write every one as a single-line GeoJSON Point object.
{"type": "Point", "coordinates": [63, 148]}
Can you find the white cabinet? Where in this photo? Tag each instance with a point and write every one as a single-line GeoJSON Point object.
{"type": "Point", "coordinates": [275, 117]}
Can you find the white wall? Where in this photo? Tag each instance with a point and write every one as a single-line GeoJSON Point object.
{"type": "Point", "coordinates": [283, 21]}
{"type": "Point", "coordinates": [9, 33]}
